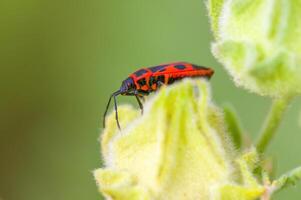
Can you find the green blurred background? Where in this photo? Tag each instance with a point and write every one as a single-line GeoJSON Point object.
{"type": "Point", "coordinates": [61, 59]}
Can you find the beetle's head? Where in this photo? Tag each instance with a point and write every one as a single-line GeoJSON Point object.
{"type": "Point", "coordinates": [127, 86]}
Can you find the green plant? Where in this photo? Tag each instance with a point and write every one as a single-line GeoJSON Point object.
{"type": "Point", "coordinates": [185, 147]}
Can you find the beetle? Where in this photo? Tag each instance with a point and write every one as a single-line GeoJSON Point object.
{"type": "Point", "coordinates": [146, 80]}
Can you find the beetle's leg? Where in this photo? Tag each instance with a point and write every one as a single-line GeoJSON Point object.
{"type": "Point", "coordinates": [140, 104]}
{"type": "Point", "coordinates": [136, 93]}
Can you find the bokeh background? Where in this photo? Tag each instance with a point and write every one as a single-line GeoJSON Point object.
{"type": "Point", "coordinates": [61, 59]}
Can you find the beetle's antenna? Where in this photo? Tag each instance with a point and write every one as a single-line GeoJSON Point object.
{"type": "Point", "coordinates": [116, 111]}
{"type": "Point", "coordinates": [107, 108]}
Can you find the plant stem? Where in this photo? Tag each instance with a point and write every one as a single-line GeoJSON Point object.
{"type": "Point", "coordinates": [272, 122]}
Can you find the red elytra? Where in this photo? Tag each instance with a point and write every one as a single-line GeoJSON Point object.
{"type": "Point", "coordinates": [147, 80]}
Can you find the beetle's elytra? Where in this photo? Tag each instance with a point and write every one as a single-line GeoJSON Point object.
{"type": "Point", "coordinates": [147, 80]}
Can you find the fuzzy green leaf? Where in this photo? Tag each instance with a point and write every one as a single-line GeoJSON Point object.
{"type": "Point", "coordinates": [234, 126]}
{"type": "Point", "coordinates": [289, 179]}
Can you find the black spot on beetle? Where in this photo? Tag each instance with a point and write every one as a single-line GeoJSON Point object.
{"type": "Point", "coordinates": [180, 67]}
{"type": "Point", "coordinates": [142, 82]}
{"type": "Point", "coordinates": [151, 80]}
{"type": "Point", "coordinates": [172, 80]}
{"type": "Point", "coordinates": [199, 67]}
{"type": "Point", "coordinates": [157, 68]}
{"type": "Point", "coordinates": [140, 72]}
{"type": "Point", "coordinates": [161, 79]}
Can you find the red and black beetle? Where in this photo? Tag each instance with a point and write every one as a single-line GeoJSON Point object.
{"type": "Point", "coordinates": [147, 80]}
